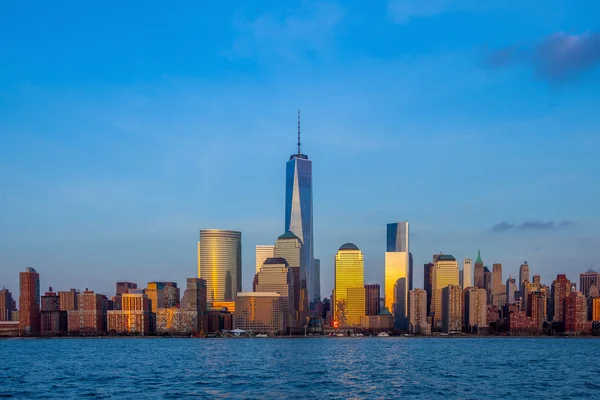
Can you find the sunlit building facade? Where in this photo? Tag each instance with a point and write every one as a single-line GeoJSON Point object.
{"type": "Point", "coordinates": [478, 272]}
{"type": "Point", "coordinates": [90, 316]}
{"type": "Point", "coordinates": [289, 247]}
{"type": "Point", "coordinates": [349, 290]}
{"type": "Point", "coordinates": [561, 287]}
{"type": "Point", "coordinates": [134, 318]}
{"type": "Point", "coordinates": [575, 313]}
{"type": "Point", "coordinates": [587, 280]}
{"type": "Point", "coordinates": [275, 276]}
{"type": "Point", "coordinates": [396, 272]}
{"type": "Point", "coordinates": [523, 276]}
{"type": "Point", "coordinates": [220, 263]}
{"type": "Point", "coordinates": [417, 312]}
{"type": "Point", "coordinates": [263, 251]}
{"type": "Point", "coordinates": [445, 272]}
{"type": "Point", "coordinates": [467, 274]}
{"type": "Point", "coordinates": [475, 308]}
{"type": "Point", "coordinates": [261, 312]}
{"type": "Point", "coordinates": [452, 314]}
{"type": "Point", "coordinates": [29, 302]}
{"type": "Point", "coordinates": [156, 295]}
{"type": "Point", "coordinates": [69, 300]}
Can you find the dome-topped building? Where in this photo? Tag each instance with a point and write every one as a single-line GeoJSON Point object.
{"type": "Point", "coordinates": [348, 246]}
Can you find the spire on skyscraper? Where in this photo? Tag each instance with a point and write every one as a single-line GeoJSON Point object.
{"type": "Point", "coordinates": [478, 261]}
{"type": "Point", "coordinates": [299, 132]}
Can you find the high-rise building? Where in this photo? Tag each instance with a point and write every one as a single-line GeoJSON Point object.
{"type": "Point", "coordinates": [523, 276]}
{"type": "Point", "coordinates": [349, 289]}
{"type": "Point", "coordinates": [497, 282]}
{"type": "Point", "coordinates": [536, 309]}
{"type": "Point", "coordinates": [29, 302]}
{"type": "Point", "coordinates": [372, 295]}
{"type": "Point", "coordinates": [317, 280]}
{"type": "Point", "coordinates": [220, 263]}
{"type": "Point", "coordinates": [445, 273]}
{"type": "Point", "coordinates": [398, 237]}
{"type": "Point", "coordinates": [410, 271]}
{"type": "Point", "coordinates": [171, 294]}
{"type": "Point", "coordinates": [261, 312]}
{"type": "Point", "coordinates": [299, 211]}
{"type": "Point", "coordinates": [68, 300]}
{"type": "Point", "coordinates": [396, 277]}
{"type": "Point", "coordinates": [537, 279]}
{"type": "Point", "coordinates": [194, 296]}
{"type": "Point", "coordinates": [90, 316]}
{"type": "Point", "coordinates": [487, 283]}
{"type": "Point", "coordinates": [595, 304]}
{"type": "Point", "coordinates": [134, 317]}
{"type": "Point", "coordinates": [275, 276]}
{"type": "Point", "coordinates": [561, 287]}
{"type": "Point", "coordinates": [156, 295]}
{"type": "Point", "coordinates": [511, 288]}
{"type": "Point", "coordinates": [289, 247]}
{"type": "Point", "coordinates": [417, 312]}
{"type": "Point", "coordinates": [575, 313]}
{"type": "Point", "coordinates": [587, 280]}
{"type": "Point", "coordinates": [475, 308]}
{"type": "Point", "coordinates": [53, 319]}
{"type": "Point", "coordinates": [452, 313]}
{"type": "Point", "coordinates": [427, 268]}
{"type": "Point", "coordinates": [6, 305]}
{"type": "Point", "coordinates": [125, 287]}
{"type": "Point", "coordinates": [478, 272]}
{"type": "Point", "coordinates": [467, 274]}
{"type": "Point", "coordinates": [263, 251]}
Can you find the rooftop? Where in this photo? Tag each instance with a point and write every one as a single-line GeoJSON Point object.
{"type": "Point", "coordinates": [275, 260]}
{"type": "Point", "coordinates": [446, 257]}
{"type": "Point", "coordinates": [349, 246]}
{"type": "Point", "coordinates": [258, 294]}
{"type": "Point", "coordinates": [288, 235]}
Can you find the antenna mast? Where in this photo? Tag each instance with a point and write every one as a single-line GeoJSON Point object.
{"type": "Point", "coordinates": [298, 131]}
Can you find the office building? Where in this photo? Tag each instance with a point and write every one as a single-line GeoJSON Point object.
{"type": "Point", "coordinates": [289, 247]}
{"type": "Point", "coordinates": [478, 276]}
{"type": "Point", "coordinates": [536, 309]}
{"type": "Point", "coordinates": [68, 300]}
{"type": "Point", "coordinates": [575, 313]}
{"type": "Point", "coordinates": [452, 313]}
{"type": "Point", "coordinates": [194, 296]}
{"type": "Point", "coordinates": [511, 289]}
{"type": "Point", "coordinates": [487, 283]}
{"type": "Point", "coordinates": [263, 251]}
{"type": "Point", "coordinates": [595, 304]}
{"type": "Point", "coordinates": [587, 280]}
{"type": "Point", "coordinates": [349, 289]}
{"type": "Point", "coordinates": [475, 308]}
{"type": "Point", "coordinates": [171, 295]}
{"type": "Point", "coordinates": [299, 211]}
{"type": "Point", "coordinates": [561, 287]}
{"type": "Point", "coordinates": [135, 315]}
{"type": "Point", "coordinates": [372, 296]}
{"type": "Point", "coordinates": [90, 316]}
{"type": "Point", "coordinates": [6, 305]}
{"type": "Point", "coordinates": [497, 282]}
{"type": "Point", "coordinates": [53, 319]}
{"type": "Point", "coordinates": [317, 280]}
{"type": "Point", "coordinates": [445, 273]}
{"type": "Point", "coordinates": [275, 276]}
{"type": "Point", "coordinates": [156, 295]}
{"type": "Point", "coordinates": [220, 263]}
{"type": "Point", "coordinates": [427, 269]}
{"type": "Point", "coordinates": [523, 276]}
{"type": "Point", "coordinates": [260, 312]}
{"type": "Point", "coordinates": [417, 312]}
{"type": "Point", "coordinates": [467, 274]}
{"type": "Point", "coordinates": [537, 279]}
{"type": "Point", "coordinates": [397, 269]}
{"type": "Point", "coordinates": [125, 287]}
{"type": "Point", "coordinates": [29, 302]}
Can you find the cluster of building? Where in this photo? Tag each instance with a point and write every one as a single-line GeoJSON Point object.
{"type": "Point", "coordinates": [286, 296]}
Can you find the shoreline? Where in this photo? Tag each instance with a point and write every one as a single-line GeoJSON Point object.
{"type": "Point", "coordinates": [300, 337]}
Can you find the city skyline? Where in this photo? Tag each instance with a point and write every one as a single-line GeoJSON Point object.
{"type": "Point", "coordinates": [110, 169]}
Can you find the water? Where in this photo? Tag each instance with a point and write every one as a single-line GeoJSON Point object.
{"type": "Point", "coordinates": [326, 368]}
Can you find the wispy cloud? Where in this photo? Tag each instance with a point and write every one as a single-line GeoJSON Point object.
{"type": "Point", "coordinates": [307, 30]}
{"type": "Point", "coordinates": [557, 58]}
{"type": "Point", "coordinates": [530, 225]}
{"type": "Point", "coordinates": [401, 11]}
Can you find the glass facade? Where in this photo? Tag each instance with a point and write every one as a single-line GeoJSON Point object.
{"type": "Point", "coordinates": [262, 253]}
{"type": "Point", "coordinates": [349, 290]}
{"type": "Point", "coordinates": [299, 215]}
{"type": "Point", "coordinates": [396, 268]}
{"type": "Point", "coordinates": [397, 236]}
{"type": "Point", "coordinates": [445, 272]}
{"type": "Point", "coordinates": [220, 263]}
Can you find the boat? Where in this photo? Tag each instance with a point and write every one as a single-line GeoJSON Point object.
{"type": "Point", "coordinates": [383, 334]}
{"type": "Point", "coordinates": [261, 335]}
{"type": "Point", "coordinates": [339, 335]}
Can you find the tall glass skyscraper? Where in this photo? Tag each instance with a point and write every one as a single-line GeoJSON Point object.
{"type": "Point", "coordinates": [349, 289]}
{"type": "Point", "coordinates": [220, 263]}
{"type": "Point", "coordinates": [298, 212]}
{"type": "Point", "coordinates": [398, 271]}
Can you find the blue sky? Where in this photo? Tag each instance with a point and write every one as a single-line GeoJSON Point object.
{"type": "Point", "coordinates": [127, 128]}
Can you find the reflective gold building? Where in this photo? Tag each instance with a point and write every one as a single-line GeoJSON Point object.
{"type": "Point", "coordinates": [349, 290]}
{"type": "Point", "coordinates": [396, 273]}
{"type": "Point", "coordinates": [445, 272]}
{"type": "Point", "coordinates": [220, 263]}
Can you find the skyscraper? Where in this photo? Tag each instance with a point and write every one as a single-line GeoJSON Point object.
{"type": "Point", "coordinates": [487, 283]}
{"type": "Point", "coordinates": [417, 312]}
{"type": "Point", "coordinates": [263, 251]}
{"type": "Point", "coordinates": [410, 271]}
{"type": "Point", "coordinates": [6, 301]}
{"type": "Point", "coordinates": [372, 295]}
{"type": "Point", "coordinates": [497, 282]}
{"type": "Point", "coordinates": [275, 276]}
{"type": "Point", "coordinates": [475, 308]}
{"type": "Point", "coordinates": [523, 276]}
{"type": "Point", "coordinates": [452, 314]}
{"type": "Point", "coordinates": [29, 302]}
{"type": "Point", "coordinates": [299, 211]}
{"type": "Point", "coordinates": [397, 269]}
{"type": "Point", "coordinates": [561, 287]}
{"type": "Point", "coordinates": [289, 247]}
{"type": "Point", "coordinates": [349, 290]}
{"type": "Point", "coordinates": [575, 313]}
{"type": "Point", "coordinates": [467, 273]}
{"type": "Point", "coordinates": [194, 296]}
{"type": "Point", "coordinates": [427, 268]}
{"type": "Point", "coordinates": [156, 295]}
{"type": "Point", "coordinates": [220, 263]}
{"type": "Point", "coordinates": [587, 280]}
{"type": "Point", "coordinates": [478, 273]}
{"type": "Point", "coordinates": [537, 279]}
{"type": "Point", "coordinates": [317, 274]}
{"type": "Point", "coordinates": [511, 288]}
{"type": "Point", "coordinates": [68, 300]}
{"type": "Point", "coordinates": [445, 272]}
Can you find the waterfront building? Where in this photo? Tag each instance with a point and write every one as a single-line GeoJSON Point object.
{"type": "Point", "coordinates": [595, 304]}
{"type": "Point", "coordinates": [445, 273]}
{"type": "Point", "coordinates": [523, 276]}
{"type": "Point", "coordinates": [171, 295]}
{"type": "Point", "coordinates": [29, 302]}
{"type": "Point", "coordinates": [384, 321]}
{"type": "Point", "coordinates": [349, 290]}
{"type": "Point", "coordinates": [276, 276]}
{"type": "Point", "coordinates": [218, 321]}
{"type": "Point", "coordinates": [575, 313]}
{"type": "Point", "coordinates": [289, 247]}
{"type": "Point", "coordinates": [194, 296]}
{"type": "Point", "coordinates": [467, 274]}
{"type": "Point", "coordinates": [156, 295]}
{"type": "Point", "coordinates": [587, 280]}
{"type": "Point", "coordinates": [220, 263]}
{"type": "Point", "coordinates": [474, 309]}
{"type": "Point", "coordinates": [417, 312]}
{"type": "Point", "coordinates": [511, 289]}
{"type": "Point", "coordinates": [177, 321]}
{"type": "Point", "coordinates": [90, 316]}
{"type": "Point", "coordinates": [261, 312]}
{"type": "Point", "coordinates": [478, 272]}
{"type": "Point", "coordinates": [372, 295]}
{"type": "Point", "coordinates": [6, 305]}
{"type": "Point", "coordinates": [68, 300]}
{"type": "Point", "coordinates": [263, 251]}
{"type": "Point", "coordinates": [452, 313]}
{"type": "Point", "coordinates": [518, 322]}
{"type": "Point", "coordinates": [536, 309]}
{"type": "Point", "coordinates": [427, 269]}
{"type": "Point", "coordinates": [561, 287]}
{"type": "Point", "coordinates": [299, 212]}
{"type": "Point", "coordinates": [134, 317]}
{"type": "Point", "coordinates": [397, 270]}
{"type": "Point", "coordinates": [53, 321]}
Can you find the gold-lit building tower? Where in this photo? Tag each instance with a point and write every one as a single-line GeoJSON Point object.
{"type": "Point", "coordinates": [349, 289]}
{"type": "Point", "coordinates": [262, 253]}
{"type": "Point", "coordinates": [445, 272]}
{"type": "Point", "coordinates": [396, 269]}
{"type": "Point", "coordinates": [220, 264]}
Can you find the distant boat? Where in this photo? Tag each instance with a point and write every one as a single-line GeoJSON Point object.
{"type": "Point", "coordinates": [339, 335]}
{"type": "Point", "coordinates": [383, 334]}
{"type": "Point", "coordinates": [261, 335]}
